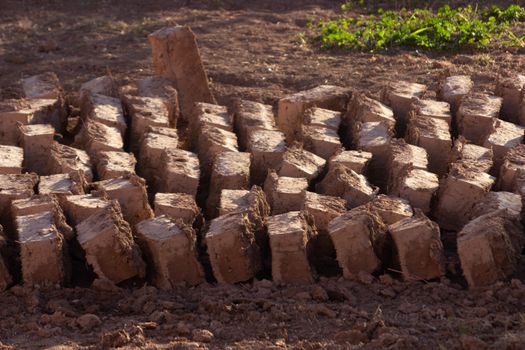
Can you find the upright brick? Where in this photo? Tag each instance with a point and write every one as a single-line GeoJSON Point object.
{"type": "Point", "coordinates": [212, 142]}
{"type": "Point", "coordinates": [285, 194]}
{"type": "Point", "coordinates": [298, 162]}
{"type": "Point", "coordinates": [252, 202]}
{"type": "Point", "coordinates": [65, 159]}
{"type": "Point", "coordinates": [418, 186]}
{"type": "Point", "coordinates": [78, 208]}
{"type": "Point", "coordinates": [476, 116]}
{"type": "Point", "coordinates": [36, 141]}
{"type": "Point", "coordinates": [14, 186]}
{"type": "Point", "coordinates": [367, 110]}
{"type": "Point", "coordinates": [354, 160]}
{"type": "Point", "coordinates": [62, 185]}
{"type": "Point", "coordinates": [513, 163]}
{"type": "Point", "coordinates": [399, 96]}
{"type": "Point", "coordinates": [390, 209]}
{"type": "Point", "coordinates": [322, 118]}
{"type": "Point", "coordinates": [454, 88]}
{"type": "Point", "coordinates": [323, 209]}
{"type": "Point", "coordinates": [494, 201]}
{"type": "Point", "coordinates": [250, 116]}
{"type": "Point", "coordinates": [208, 114]}
{"type": "Point", "coordinates": [11, 159]}
{"type": "Point", "coordinates": [159, 87]}
{"type": "Point", "coordinates": [432, 109]}
{"type": "Point", "coordinates": [510, 89]}
{"type": "Point", "coordinates": [502, 138]}
{"type": "Point", "coordinates": [180, 172]}
{"type": "Point", "coordinates": [480, 157]}
{"type": "Point", "coordinates": [178, 206]}
{"type": "Point", "coordinates": [95, 138]}
{"type": "Point", "coordinates": [112, 164]}
{"type": "Point", "coordinates": [401, 155]}
{"type": "Point", "coordinates": [267, 148]}
{"type": "Point", "coordinates": [103, 109]}
{"type": "Point", "coordinates": [321, 141]}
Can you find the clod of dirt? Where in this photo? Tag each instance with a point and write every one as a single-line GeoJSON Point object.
{"type": "Point", "coordinates": [88, 321]}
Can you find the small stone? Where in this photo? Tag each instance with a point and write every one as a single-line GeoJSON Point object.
{"type": "Point", "coordinates": [202, 335]}
{"type": "Point", "coordinates": [88, 321]}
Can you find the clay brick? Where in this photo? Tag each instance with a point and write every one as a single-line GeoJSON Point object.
{"type": "Point", "coordinates": [267, 148]}
{"type": "Point", "coordinates": [434, 136]}
{"type": "Point", "coordinates": [212, 142]}
{"type": "Point", "coordinates": [347, 184]}
{"type": "Point", "coordinates": [113, 164]}
{"type": "Point", "coordinates": [252, 202]}
{"type": "Point", "coordinates": [233, 201]}
{"type": "Point", "coordinates": [513, 163]}
{"type": "Point", "coordinates": [459, 192]}
{"type": "Point", "coordinates": [159, 87]}
{"type": "Point", "coordinates": [358, 238]}
{"type": "Point", "coordinates": [495, 201]}
{"type": "Point", "coordinates": [399, 96]}
{"type": "Point", "coordinates": [390, 209]}
{"type": "Point", "coordinates": [324, 118]}
{"type": "Point", "coordinates": [367, 110]}
{"type": "Point", "coordinates": [250, 116]}
{"type": "Point", "coordinates": [432, 109]}
{"type": "Point", "coordinates": [14, 186]}
{"type": "Point", "coordinates": [5, 276]}
{"type": "Point", "coordinates": [11, 159]}
{"type": "Point", "coordinates": [298, 162]}
{"type": "Point", "coordinates": [95, 138]}
{"type": "Point", "coordinates": [231, 170]}
{"type": "Point", "coordinates": [476, 116]}
{"type": "Point", "coordinates": [153, 144]}
{"type": "Point", "coordinates": [207, 114]}
{"type": "Point", "coordinates": [454, 88]}
{"type": "Point", "coordinates": [130, 192]}
{"type": "Point", "coordinates": [103, 109]}
{"type": "Point", "coordinates": [80, 207]}
{"type": "Point", "coordinates": [41, 249]}
{"type": "Point", "coordinates": [353, 160]}
{"type": "Point", "coordinates": [476, 155]}
{"type": "Point", "coordinates": [104, 85]}
{"type": "Point", "coordinates": [36, 141]}
{"type": "Point", "coordinates": [502, 138]}
{"type": "Point", "coordinates": [419, 248]}
{"type": "Point", "coordinates": [285, 194]}
{"type": "Point", "coordinates": [401, 155]}
{"type": "Point", "coordinates": [489, 247]}
{"type": "Point", "coordinates": [170, 246]}
{"type": "Point", "coordinates": [42, 86]}
{"type": "Point", "coordinates": [323, 209]}
{"type": "Point", "coordinates": [179, 206]}
{"type": "Point", "coordinates": [291, 236]}
{"type": "Point", "coordinates": [373, 137]}
{"type": "Point", "coordinates": [176, 57]}
{"type": "Point", "coordinates": [109, 247]}
{"type": "Point", "coordinates": [321, 141]}
{"type": "Point", "coordinates": [291, 108]}
{"type": "Point", "coordinates": [180, 172]}
{"type": "Point", "coordinates": [418, 186]}
{"type": "Point", "coordinates": [511, 90]}
{"type": "Point", "coordinates": [65, 159]}
{"type": "Point", "coordinates": [62, 185]}
{"type": "Point", "coordinates": [234, 253]}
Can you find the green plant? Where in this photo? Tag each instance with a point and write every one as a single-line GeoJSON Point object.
{"type": "Point", "coordinates": [447, 28]}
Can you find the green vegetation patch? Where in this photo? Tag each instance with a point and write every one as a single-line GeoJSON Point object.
{"type": "Point", "coordinates": [447, 28]}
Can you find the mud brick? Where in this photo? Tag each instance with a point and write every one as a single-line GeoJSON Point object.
{"type": "Point", "coordinates": [41, 249]}
{"type": "Point", "coordinates": [113, 164]}
{"type": "Point", "coordinates": [358, 238]}
{"type": "Point", "coordinates": [5, 276]}
{"type": "Point", "coordinates": [180, 172]}
{"type": "Point", "coordinates": [478, 156]}
{"type": "Point", "coordinates": [347, 184]}
{"type": "Point", "coordinates": [145, 112]}
{"type": "Point", "coordinates": [95, 138]}
{"type": "Point", "coordinates": [62, 185]}
{"type": "Point", "coordinates": [399, 96]}
{"type": "Point", "coordinates": [321, 141]}
{"type": "Point", "coordinates": [207, 114]}
{"type": "Point", "coordinates": [502, 138]}
{"type": "Point", "coordinates": [38, 204]}
{"type": "Point", "coordinates": [419, 249]}
{"type": "Point", "coordinates": [513, 162]}
{"type": "Point", "coordinates": [176, 57]}
{"type": "Point", "coordinates": [231, 170]}
{"type": "Point", "coordinates": [298, 162]}
{"type": "Point", "coordinates": [290, 110]}
{"type": "Point", "coordinates": [212, 142]}
{"type": "Point", "coordinates": [434, 136]}
{"type": "Point", "coordinates": [454, 88]}
{"type": "Point", "coordinates": [36, 141]}
{"type": "Point", "coordinates": [267, 148]}
{"type": "Point", "coordinates": [42, 86]}
{"type": "Point", "coordinates": [418, 186]}
{"type": "Point", "coordinates": [476, 116]}
{"type": "Point", "coordinates": [390, 209]}
{"type": "Point", "coordinates": [170, 247]}
{"type": "Point", "coordinates": [285, 194]}
{"type": "Point", "coordinates": [322, 117]}
{"type": "Point", "coordinates": [64, 159]}
{"type": "Point", "coordinates": [511, 90]}
{"type": "Point", "coordinates": [78, 208]}
{"type": "Point", "coordinates": [323, 209]}
{"type": "Point", "coordinates": [459, 192]}
{"type": "Point", "coordinates": [234, 253]}
{"type": "Point", "coordinates": [103, 109]}
{"type": "Point", "coordinates": [104, 85]}
{"type": "Point", "coordinates": [14, 186]}
{"type": "Point", "coordinates": [353, 160]}
{"type": "Point", "coordinates": [432, 109]}
{"type": "Point", "coordinates": [159, 87]}
{"type": "Point", "coordinates": [130, 192]}
{"type": "Point", "coordinates": [250, 116]}
{"type": "Point", "coordinates": [401, 155]}
{"type": "Point", "coordinates": [495, 201]}
{"type": "Point", "coordinates": [178, 206]}
{"type": "Point", "coordinates": [233, 201]}
{"type": "Point", "coordinates": [109, 247]}
{"type": "Point", "coordinates": [11, 159]}
{"type": "Point", "coordinates": [290, 236]}
{"type": "Point", "coordinates": [153, 144]}
{"type": "Point", "coordinates": [367, 110]}
{"type": "Point", "coordinates": [489, 247]}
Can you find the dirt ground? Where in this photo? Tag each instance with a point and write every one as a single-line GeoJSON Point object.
{"type": "Point", "coordinates": [255, 50]}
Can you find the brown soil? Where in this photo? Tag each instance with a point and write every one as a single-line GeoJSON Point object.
{"type": "Point", "coordinates": [251, 49]}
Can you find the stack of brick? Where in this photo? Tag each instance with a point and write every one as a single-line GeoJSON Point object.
{"type": "Point", "coordinates": [95, 137]}
{"type": "Point", "coordinates": [399, 96]}
{"type": "Point", "coordinates": [453, 89]}
{"type": "Point", "coordinates": [319, 133]}
{"type": "Point", "coordinates": [103, 109]}
{"type": "Point", "coordinates": [400, 156]}
{"type": "Point", "coordinates": [14, 186]}
{"type": "Point", "coordinates": [158, 87]}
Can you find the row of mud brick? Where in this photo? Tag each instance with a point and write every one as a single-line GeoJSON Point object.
{"type": "Point", "coordinates": [155, 180]}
